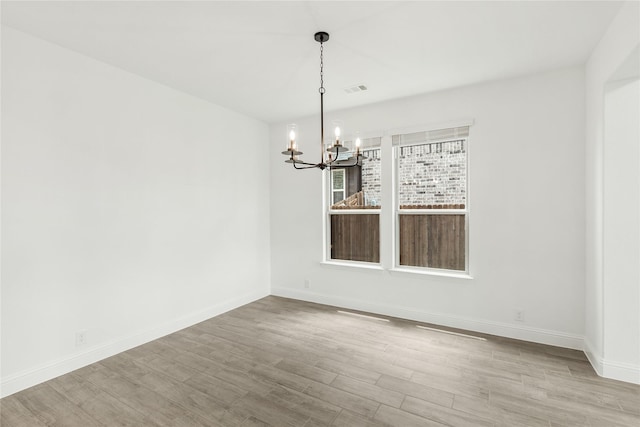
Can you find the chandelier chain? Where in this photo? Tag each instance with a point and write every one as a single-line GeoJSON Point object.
{"type": "Point", "coordinates": [321, 90]}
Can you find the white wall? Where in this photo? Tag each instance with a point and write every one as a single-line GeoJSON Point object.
{"type": "Point", "coordinates": [620, 40]}
{"type": "Point", "coordinates": [527, 213]}
{"type": "Point", "coordinates": [124, 212]}
{"type": "Point", "coordinates": [622, 225]}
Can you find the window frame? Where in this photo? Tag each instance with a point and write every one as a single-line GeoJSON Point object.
{"type": "Point", "coordinates": [328, 212]}
{"type": "Point", "coordinates": [397, 211]}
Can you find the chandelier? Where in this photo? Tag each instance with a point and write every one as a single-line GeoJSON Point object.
{"type": "Point", "coordinates": [334, 156]}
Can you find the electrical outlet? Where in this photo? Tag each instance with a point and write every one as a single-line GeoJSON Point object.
{"type": "Point", "coordinates": [307, 285]}
{"type": "Point", "coordinates": [519, 315]}
{"type": "Point", "coordinates": [81, 338]}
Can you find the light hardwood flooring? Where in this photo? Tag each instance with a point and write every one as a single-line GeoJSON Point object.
{"type": "Point", "coordinates": [283, 362]}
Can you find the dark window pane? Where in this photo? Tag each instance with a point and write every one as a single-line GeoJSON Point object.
{"type": "Point", "coordinates": [355, 237]}
{"type": "Point", "coordinates": [435, 241]}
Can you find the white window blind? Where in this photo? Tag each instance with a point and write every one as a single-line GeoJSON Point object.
{"type": "Point", "coordinates": [431, 136]}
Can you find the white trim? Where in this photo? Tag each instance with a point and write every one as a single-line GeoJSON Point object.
{"type": "Point", "coordinates": [387, 229]}
{"type": "Point", "coordinates": [611, 369]}
{"type": "Point", "coordinates": [324, 217]}
{"type": "Point", "coordinates": [421, 271]}
{"type": "Point", "coordinates": [593, 357]}
{"type": "Point", "coordinates": [542, 336]}
{"type": "Point", "coordinates": [352, 264]}
{"type": "Point", "coordinates": [431, 272]}
{"type": "Point", "coordinates": [47, 371]}
{"type": "Point", "coordinates": [467, 207]}
{"type": "Point", "coordinates": [621, 371]}
{"type": "Point", "coordinates": [431, 126]}
{"type": "Point", "coordinates": [354, 211]}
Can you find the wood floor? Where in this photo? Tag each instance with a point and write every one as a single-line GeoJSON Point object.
{"type": "Point", "coordinates": [282, 362]}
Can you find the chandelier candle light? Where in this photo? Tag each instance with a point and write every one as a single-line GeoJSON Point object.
{"type": "Point", "coordinates": [331, 158]}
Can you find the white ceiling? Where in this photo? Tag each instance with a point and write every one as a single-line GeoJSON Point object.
{"type": "Point", "coordinates": [259, 58]}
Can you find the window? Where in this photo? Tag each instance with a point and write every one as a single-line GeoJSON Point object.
{"type": "Point", "coordinates": [431, 198]}
{"type": "Point", "coordinates": [354, 212]}
{"type": "Point", "coordinates": [427, 226]}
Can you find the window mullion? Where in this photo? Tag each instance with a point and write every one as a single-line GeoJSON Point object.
{"type": "Point", "coordinates": [387, 247]}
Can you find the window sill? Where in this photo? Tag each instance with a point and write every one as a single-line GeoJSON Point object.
{"type": "Point", "coordinates": [352, 264]}
{"type": "Point", "coordinates": [393, 271]}
{"type": "Point", "coordinates": [421, 272]}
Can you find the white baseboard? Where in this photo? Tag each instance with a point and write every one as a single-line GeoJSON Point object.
{"type": "Point", "coordinates": [22, 380]}
{"type": "Point", "coordinates": [524, 333]}
{"type": "Point", "coordinates": [621, 371]}
{"type": "Point", "coordinates": [611, 369]}
{"type": "Point", "coordinates": [594, 357]}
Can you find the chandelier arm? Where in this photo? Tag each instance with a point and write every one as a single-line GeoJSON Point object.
{"type": "Point", "coordinates": [308, 165]}
{"type": "Point", "coordinates": [304, 163]}
{"type": "Point", "coordinates": [301, 162]}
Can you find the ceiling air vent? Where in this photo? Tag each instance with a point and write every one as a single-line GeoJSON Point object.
{"type": "Point", "coordinates": [355, 88]}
